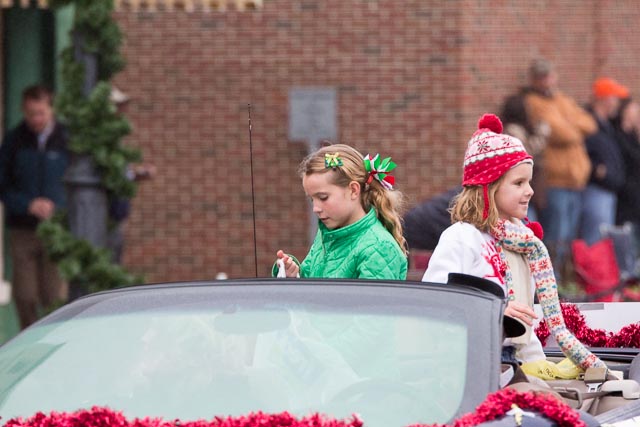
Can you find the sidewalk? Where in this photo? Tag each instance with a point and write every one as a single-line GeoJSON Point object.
{"type": "Point", "coordinates": [8, 322]}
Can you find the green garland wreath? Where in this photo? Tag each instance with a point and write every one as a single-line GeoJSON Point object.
{"type": "Point", "coordinates": [96, 130]}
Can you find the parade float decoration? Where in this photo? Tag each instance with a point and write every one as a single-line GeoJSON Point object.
{"type": "Point", "coordinates": [627, 337]}
{"type": "Point", "coordinates": [503, 403]}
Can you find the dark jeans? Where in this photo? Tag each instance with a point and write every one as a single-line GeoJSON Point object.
{"type": "Point", "coordinates": [115, 242]}
{"type": "Point", "coordinates": [598, 208]}
{"type": "Point", "coordinates": [560, 220]}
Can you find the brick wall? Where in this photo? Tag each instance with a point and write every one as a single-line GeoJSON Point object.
{"type": "Point", "coordinates": [412, 78]}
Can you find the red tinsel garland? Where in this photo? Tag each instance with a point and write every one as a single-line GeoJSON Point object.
{"type": "Point", "coordinates": [105, 417]}
{"type": "Point", "coordinates": [495, 406]}
{"type": "Point", "coordinates": [499, 403]}
{"type": "Point", "coordinates": [627, 337]}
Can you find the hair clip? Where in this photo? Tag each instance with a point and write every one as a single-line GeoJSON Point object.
{"type": "Point", "coordinates": [332, 160]}
{"type": "Point", "coordinates": [380, 170]}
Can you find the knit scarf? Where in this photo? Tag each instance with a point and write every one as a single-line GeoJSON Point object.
{"type": "Point", "coordinates": [519, 238]}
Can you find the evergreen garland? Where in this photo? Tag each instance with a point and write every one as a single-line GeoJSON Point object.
{"type": "Point", "coordinates": [96, 130]}
{"type": "Point", "coordinates": [80, 262]}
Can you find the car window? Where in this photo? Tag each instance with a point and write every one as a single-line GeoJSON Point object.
{"type": "Point", "coordinates": [393, 365]}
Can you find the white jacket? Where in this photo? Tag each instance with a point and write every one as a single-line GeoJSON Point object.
{"type": "Point", "coordinates": [463, 248]}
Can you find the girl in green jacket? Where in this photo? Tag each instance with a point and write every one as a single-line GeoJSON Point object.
{"type": "Point", "coordinates": [359, 230]}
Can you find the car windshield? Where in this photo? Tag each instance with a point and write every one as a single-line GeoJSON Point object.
{"type": "Point", "coordinates": [193, 353]}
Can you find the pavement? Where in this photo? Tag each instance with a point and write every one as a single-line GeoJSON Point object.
{"type": "Point", "coordinates": [8, 322]}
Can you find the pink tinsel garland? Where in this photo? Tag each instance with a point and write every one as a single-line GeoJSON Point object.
{"type": "Point", "coordinates": [499, 403]}
{"type": "Point", "coordinates": [105, 417]}
{"type": "Point", "coordinates": [495, 406]}
{"type": "Point", "coordinates": [627, 337]}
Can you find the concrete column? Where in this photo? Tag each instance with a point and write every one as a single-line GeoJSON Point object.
{"type": "Point", "coordinates": [87, 201]}
{"type": "Point", "coordinates": [87, 197]}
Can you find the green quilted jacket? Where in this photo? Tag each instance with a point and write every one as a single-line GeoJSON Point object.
{"type": "Point", "coordinates": [363, 250]}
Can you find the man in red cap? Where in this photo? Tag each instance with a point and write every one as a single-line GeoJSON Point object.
{"type": "Point", "coordinates": [599, 199]}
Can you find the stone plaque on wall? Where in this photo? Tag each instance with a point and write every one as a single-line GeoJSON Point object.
{"type": "Point", "coordinates": [312, 115]}
{"type": "Point", "coordinates": [313, 118]}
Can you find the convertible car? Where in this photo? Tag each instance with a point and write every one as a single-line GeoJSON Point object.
{"type": "Point", "coordinates": [394, 353]}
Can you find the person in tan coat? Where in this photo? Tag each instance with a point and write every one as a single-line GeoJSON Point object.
{"type": "Point", "coordinates": [567, 164]}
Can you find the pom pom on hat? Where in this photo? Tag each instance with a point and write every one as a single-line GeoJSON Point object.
{"type": "Point", "coordinates": [491, 122]}
{"type": "Point", "coordinates": [536, 228]}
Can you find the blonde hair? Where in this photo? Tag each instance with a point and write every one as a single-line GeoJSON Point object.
{"type": "Point", "coordinates": [468, 206]}
{"type": "Point", "coordinates": [388, 203]}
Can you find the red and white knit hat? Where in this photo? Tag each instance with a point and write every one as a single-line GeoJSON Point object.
{"type": "Point", "coordinates": [490, 154]}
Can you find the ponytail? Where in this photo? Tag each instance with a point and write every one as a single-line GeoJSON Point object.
{"type": "Point", "coordinates": [388, 205]}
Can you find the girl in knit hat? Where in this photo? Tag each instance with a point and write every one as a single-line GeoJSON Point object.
{"type": "Point", "coordinates": [359, 228]}
{"type": "Point", "coordinates": [489, 239]}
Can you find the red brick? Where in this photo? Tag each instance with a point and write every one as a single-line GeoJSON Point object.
{"type": "Point", "coordinates": [412, 78]}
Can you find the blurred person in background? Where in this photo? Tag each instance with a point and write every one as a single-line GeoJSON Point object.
{"type": "Point", "coordinates": [599, 198]}
{"type": "Point", "coordinates": [566, 163]}
{"type": "Point", "coordinates": [627, 126]}
{"type": "Point", "coordinates": [424, 224]}
{"type": "Point", "coordinates": [534, 136]}
{"type": "Point", "coordinates": [120, 207]}
{"type": "Point", "coordinates": [33, 160]}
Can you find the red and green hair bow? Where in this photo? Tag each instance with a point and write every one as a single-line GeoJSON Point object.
{"type": "Point", "coordinates": [380, 169]}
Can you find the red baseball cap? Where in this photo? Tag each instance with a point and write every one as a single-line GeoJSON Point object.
{"type": "Point", "coordinates": [604, 87]}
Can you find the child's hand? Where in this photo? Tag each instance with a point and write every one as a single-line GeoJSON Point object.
{"type": "Point", "coordinates": [290, 267]}
{"type": "Point", "coordinates": [520, 311]}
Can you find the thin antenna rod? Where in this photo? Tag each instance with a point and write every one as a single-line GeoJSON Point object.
{"type": "Point", "coordinates": [253, 199]}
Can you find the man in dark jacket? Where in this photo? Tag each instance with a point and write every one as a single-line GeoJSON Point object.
{"type": "Point", "coordinates": [424, 224]}
{"type": "Point", "coordinates": [33, 160]}
{"type": "Point", "coordinates": [599, 199]}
